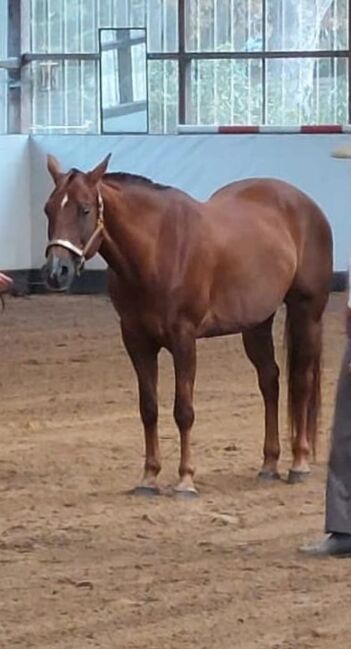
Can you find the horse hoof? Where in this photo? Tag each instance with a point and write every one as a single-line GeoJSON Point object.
{"type": "Point", "coordinates": [186, 494]}
{"type": "Point", "coordinates": [147, 492]}
{"type": "Point", "coordinates": [297, 477]}
{"type": "Point", "coordinates": [268, 476]}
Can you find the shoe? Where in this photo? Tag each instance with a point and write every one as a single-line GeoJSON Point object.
{"type": "Point", "coordinates": [335, 545]}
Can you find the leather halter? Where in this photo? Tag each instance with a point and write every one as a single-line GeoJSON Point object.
{"type": "Point", "coordinates": [81, 253]}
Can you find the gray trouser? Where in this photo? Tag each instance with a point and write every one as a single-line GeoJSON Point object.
{"type": "Point", "coordinates": [338, 497]}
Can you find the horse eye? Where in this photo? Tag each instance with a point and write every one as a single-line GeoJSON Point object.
{"type": "Point", "coordinates": [85, 210]}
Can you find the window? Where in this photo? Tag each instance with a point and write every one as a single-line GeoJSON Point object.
{"type": "Point", "coordinates": [65, 92]}
{"type": "Point", "coordinates": [3, 72]}
{"type": "Point", "coordinates": [276, 62]}
{"type": "Point", "coordinates": [124, 106]}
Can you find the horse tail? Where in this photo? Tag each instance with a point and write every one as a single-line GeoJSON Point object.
{"type": "Point", "coordinates": [295, 364]}
{"type": "Point", "coordinates": [315, 405]}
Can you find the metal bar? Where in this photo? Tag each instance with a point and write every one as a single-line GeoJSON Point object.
{"type": "Point", "coordinates": [215, 76]}
{"type": "Point", "coordinates": [101, 116]}
{"type": "Point", "coordinates": [50, 69]}
{"type": "Point", "coordinates": [37, 128]}
{"type": "Point", "coordinates": [125, 79]}
{"type": "Point", "coordinates": [349, 61]}
{"type": "Point", "coordinates": [147, 83]}
{"type": "Point", "coordinates": [304, 54]}
{"type": "Point", "coordinates": [28, 104]}
{"type": "Point", "coordinates": [263, 74]}
{"type": "Point", "coordinates": [4, 77]}
{"type": "Point", "coordinates": [300, 91]}
{"type": "Point", "coordinates": [165, 99]}
{"type": "Point", "coordinates": [25, 25]}
{"type": "Point", "coordinates": [125, 109]}
{"type": "Point", "coordinates": [335, 87]}
{"type": "Point", "coordinates": [317, 77]}
{"type": "Point", "coordinates": [124, 40]}
{"type": "Point", "coordinates": [64, 66]}
{"type": "Point", "coordinates": [14, 31]}
{"type": "Point", "coordinates": [232, 37]}
{"type": "Point", "coordinates": [14, 75]}
{"type": "Point", "coordinates": [283, 42]}
{"type": "Point", "coordinates": [163, 56]}
{"type": "Point", "coordinates": [28, 57]}
{"type": "Point", "coordinates": [182, 63]}
{"type": "Point", "coordinates": [11, 63]}
{"type": "Point", "coordinates": [163, 25]}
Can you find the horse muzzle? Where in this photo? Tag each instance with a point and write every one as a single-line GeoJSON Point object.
{"type": "Point", "coordinates": [58, 271]}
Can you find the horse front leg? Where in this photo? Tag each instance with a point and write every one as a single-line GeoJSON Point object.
{"type": "Point", "coordinates": [184, 358]}
{"type": "Point", "coordinates": [143, 353]}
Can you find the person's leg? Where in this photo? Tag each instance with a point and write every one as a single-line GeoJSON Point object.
{"type": "Point", "coordinates": [338, 497]}
{"type": "Point", "coordinates": [338, 493]}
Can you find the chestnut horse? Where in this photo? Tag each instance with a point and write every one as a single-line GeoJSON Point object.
{"type": "Point", "coordinates": [180, 269]}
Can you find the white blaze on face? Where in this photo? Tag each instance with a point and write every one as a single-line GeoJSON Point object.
{"type": "Point", "coordinates": [64, 201]}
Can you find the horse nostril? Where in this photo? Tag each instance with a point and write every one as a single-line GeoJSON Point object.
{"type": "Point", "coordinates": [64, 270]}
{"type": "Point", "coordinates": [53, 280]}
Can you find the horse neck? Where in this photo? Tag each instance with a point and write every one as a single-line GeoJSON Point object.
{"type": "Point", "coordinates": [131, 216]}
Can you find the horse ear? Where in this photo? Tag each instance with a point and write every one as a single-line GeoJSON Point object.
{"type": "Point", "coordinates": [96, 174]}
{"type": "Point", "coordinates": [54, 169]}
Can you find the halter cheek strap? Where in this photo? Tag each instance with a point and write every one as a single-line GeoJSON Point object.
{"type": "Point", "coordinates": [82, 253]}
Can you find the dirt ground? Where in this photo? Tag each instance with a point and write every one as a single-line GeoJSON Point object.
{"type": "Point", "coordinates": [83, 564]}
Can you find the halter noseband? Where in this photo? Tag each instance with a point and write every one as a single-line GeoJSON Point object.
{"type": "Point", "coordinates": [81, 253]}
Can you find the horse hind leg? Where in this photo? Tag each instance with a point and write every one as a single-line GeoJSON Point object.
{"type": "Point", "coordinates": [258, 343]}
{"type": "Point", "coordinates": [304, 335]}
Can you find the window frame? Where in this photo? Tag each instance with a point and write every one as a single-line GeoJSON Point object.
{"type": "Point", "coordinates": [114, 111]}
{"type": "Point", "coordinates": [17, 63]}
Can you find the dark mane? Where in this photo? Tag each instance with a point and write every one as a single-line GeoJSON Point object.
{"type": "Point", "coordinates": [121, 177]}
{"type": "Point", "coordinates": [72, 174]}
{"type": "Point", "coordinates": [135, 179]}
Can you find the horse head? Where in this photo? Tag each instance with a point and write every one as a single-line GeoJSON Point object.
{"type": "Point", "coordinates": [75, 222]}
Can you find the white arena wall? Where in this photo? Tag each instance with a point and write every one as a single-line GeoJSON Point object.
{"type": "Point", "coordinates": [198, 164]}
{"type": "Point", "coordinates": [15, 214]}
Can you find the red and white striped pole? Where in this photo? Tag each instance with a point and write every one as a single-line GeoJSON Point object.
{"type": "Point", "coordinates": [195, 129]}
